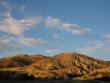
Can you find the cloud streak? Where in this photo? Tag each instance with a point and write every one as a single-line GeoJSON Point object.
{"type": "Point", "coordinates": [74, 29]}
{"type": "Point", "coordinates": [52, 22]}
{"type": "Point", "coordinates": [6, 5]}
{"type": "Point", "coordinates": [91, 48]}
{"type": "Point", "coordinates": [8, 42]}
{"type": "Point", "coordinates": [31, 42]}
{"type": "Point", "coordinates": [16, 27]}
{"type": "Point", "coordinates": [50, 50]}
{"type": "Point", "coordinates": [106, 38]}
{"type": "Point", "coordinates": [57, 37]}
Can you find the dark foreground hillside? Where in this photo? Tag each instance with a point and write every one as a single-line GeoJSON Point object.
{"type": "Point", "coordinates": [51, 81]}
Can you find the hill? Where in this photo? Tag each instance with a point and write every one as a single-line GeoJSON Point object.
{"type": "Point", "coordinates": [61, 66]}
{"type": "Point", "coordinates": [19, 60]}
{"type": "Point", "coordinates": [65, 65]}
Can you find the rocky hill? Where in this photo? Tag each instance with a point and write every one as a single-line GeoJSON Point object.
{"type": "Point", "coordinates": [100, 74]}
{"type": "Point", "coordinates": [19, 60]}
{"type": "Point", "coordinates": [70, 64]}
{"type": "Point", "coordinates": [61, 66]}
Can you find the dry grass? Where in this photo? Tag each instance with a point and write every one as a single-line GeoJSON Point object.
{"type": "Point", "coordinates": [97, 74]}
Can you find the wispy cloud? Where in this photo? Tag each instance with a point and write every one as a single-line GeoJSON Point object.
{"type": "Point", "coordinates": [22, 9]}
{"type": "Point", "coordinates": [74, 29]}
{"type": "Point", "coordinates": [17, 27]}
{"type": "Point", "coordinates": [57, 37]}
{"type": "Point", "coordinates": [7, 43]}
{"type": "Point", "coordinates": [14, 28]}
{"type": "Point", "coordinates": [106, 38]}
{"type": "Point", "coordinates": [107, 50]}
{"type": "Point", "coordinates": [50, 50]}
{"type": "Point", "coordinates": [91, 48]}
{"type": "Point", "coordinates": [7, 6]}
{"type": "Point", "coordinates": [30, 41]}
{"type": "Point", "coordinates": [52, 22]}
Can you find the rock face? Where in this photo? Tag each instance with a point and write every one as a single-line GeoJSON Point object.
{"type": "Point", "coordinates": [61, 66]}
{"type": "Point", "coordinates": [99, 74]}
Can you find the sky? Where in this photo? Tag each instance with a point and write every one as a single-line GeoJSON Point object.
{"type": "Point", "coordinates": [50, 27]}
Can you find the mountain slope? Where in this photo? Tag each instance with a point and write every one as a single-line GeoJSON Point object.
{"type": "Point", "coordinates": [19, 60]}
{"type": "Point", "coordinates": [61, 66]}
{"type": "Point", "coordinates": [69, 64]}
{"type": "Point", "coordinates": [100, 74]}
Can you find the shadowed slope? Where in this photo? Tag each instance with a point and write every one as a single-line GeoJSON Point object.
{"type": "Point", "coordinates": [19, 60]}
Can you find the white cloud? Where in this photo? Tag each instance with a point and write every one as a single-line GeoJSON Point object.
{"type": "Point", "coordinates": [106, 38]}
{"type": "Point", "coordinates": [98, 44]}
{"type": "Point", "coordinates": [75, 29]}
{"type": "Point", "coordinates": [16, 27]}
{"type": "Point", "coordinates": [69, 27]}
{"type": "Point", "coordinates": [78, 31]}
{"type": "Point", "coordinates": [52, 22]}
{"type": "Point", "coordinates": [91, 48]}
{"type": "Point", "coordinates": [107, 50]}
{"type": "Point", "coordinates": [6, 5]}
{"type": "Point", "coordinates": [57, 37]}
{"type": "Point", "coordinates": [50, 50]}
{"type": "Point", "coordinates": [30, 41]}
{"type": "Point", "coordinates": [7, 43]}
{"type": "Point", "coordinates": [22, 9]}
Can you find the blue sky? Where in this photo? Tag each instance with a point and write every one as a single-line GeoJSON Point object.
{"type": "Point", "coordinates": [50, 27]}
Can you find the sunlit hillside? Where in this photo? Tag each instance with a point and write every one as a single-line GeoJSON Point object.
{"type": "Point", "coordinates": [100, 74]}
{"type": "Point", "coordinates": [61, 66]}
